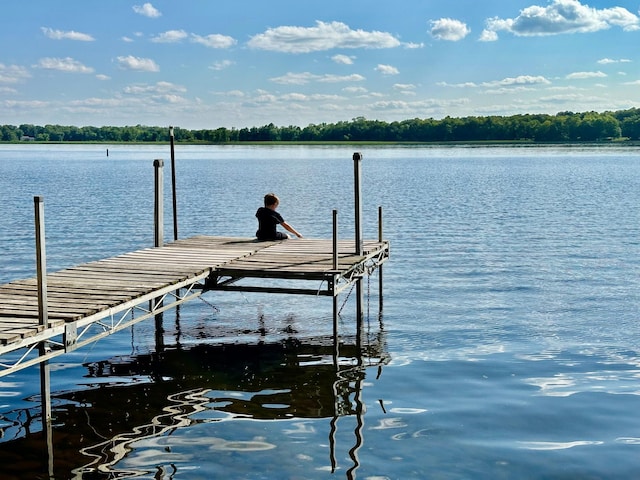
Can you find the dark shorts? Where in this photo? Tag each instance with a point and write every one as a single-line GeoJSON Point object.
{"type": "Point", "coordinates": [279, 236]}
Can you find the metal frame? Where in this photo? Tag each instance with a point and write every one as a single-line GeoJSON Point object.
{"type": "Point", "coordinates": [78, 333]}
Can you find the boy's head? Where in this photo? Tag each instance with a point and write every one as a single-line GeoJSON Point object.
{"type": "Point", "coordinates": [271, 200]}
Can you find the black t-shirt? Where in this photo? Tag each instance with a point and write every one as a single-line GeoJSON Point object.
{"type": "Point", "coordinates": [267, 221]}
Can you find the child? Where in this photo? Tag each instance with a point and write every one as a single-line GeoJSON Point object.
{"type": "Point", "coordinates": [268, 219]}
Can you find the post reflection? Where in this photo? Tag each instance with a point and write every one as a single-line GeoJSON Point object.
{"type": "Point", "coordinates": [131, 398]}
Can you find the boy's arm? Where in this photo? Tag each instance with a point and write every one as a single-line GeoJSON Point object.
{"type": "Point", "coordinates": [286, 226]}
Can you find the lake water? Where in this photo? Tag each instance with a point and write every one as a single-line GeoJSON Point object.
{"type": "Point", "coordinates": [508, 347]}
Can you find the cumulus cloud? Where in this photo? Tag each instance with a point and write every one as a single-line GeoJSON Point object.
{"type": "Point", "coordinates": [138, 64]}
{"type": "Point", "coordinates": [561, 16]}
{"type": "Point", "coordinates": [324, 36]}
{"type": "Point", "coordinates": [583, 75]}
{"type": "Point", "coordinates": [67, 64]}
{"type": "Point", "coordinates": [449, 29]}
{"type": "Point", "coordinates": [404, 86]}
{"type": "Point", "coordinates": [70, 35]}
{"type": "Point", "coordinates": [221, 65]}
{"type": "Point", "coordinates": [343, 59]}
{"type": "Point", "coordinates": [387, 69]}
{"type": "Point", "coordinates": [147, 10]}
{"type": "Point", "coordinates": [13, 73]}
{"type": "Point", "coordinates": [307, 77]}
{"type": "Point", "coordinates": [457, 85]}
{"type": "Point", "coordinates": [518, 81]}
{"type": "Point", "coordinates": [607, 61]}
{"type": "Point", "coordinates": [214, 40]}
{"type": "Point", "coordinates": [170, 36]}
{"type": "Point", "coordinates": [164, 88]}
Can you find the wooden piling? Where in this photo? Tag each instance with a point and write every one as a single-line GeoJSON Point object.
{"type": "Point", "coordinates": [43, 318]}
{"type": "Point", "coordinates": [158, 211]}
{"type": "Point", "coordinates": [357, 157]}
{"type": "Point", "coordinates": [173, 186]}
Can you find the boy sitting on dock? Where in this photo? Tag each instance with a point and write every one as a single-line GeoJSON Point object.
{"type": "Point", "coordinates": [268, 219]}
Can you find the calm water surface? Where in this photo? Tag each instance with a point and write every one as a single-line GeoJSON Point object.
{"type": "Point", "coordinates": [508, 347]}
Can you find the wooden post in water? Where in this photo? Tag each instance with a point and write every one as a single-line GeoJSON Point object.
{"type": "Point", "coordinates": [173, 186]}
{"type": "Point", "coordinates": [335, 296]}
{"type": "Point", "coordinates": [158, 219]}
{"type": "Point", "coordinates": [158, 211]}
{"type": "Point", "coordinates": [43, 316]}
{"type": "Point", "coordinates": [380, 239]}
{"type": "Point", "coordinates": [357, 157]}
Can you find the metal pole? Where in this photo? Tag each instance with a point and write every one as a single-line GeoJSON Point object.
{"type": "Point", "coordinates": [173, 187]}
{"type": "Point", "coordinates": [43, 317]}
{"type": "Point", "coordinates": [158, 211]}
{"type": "Point", "coordinates": [335, 239]}
{"type": "Point", "coordinates": [380, 239]}
{"type": "Point", "coordinates": [357, 157]}
{"type": "Point", "coordinates": [335, 295]}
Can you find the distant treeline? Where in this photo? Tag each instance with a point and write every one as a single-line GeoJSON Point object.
{"type": "Point", "coordinates": [562, 127]}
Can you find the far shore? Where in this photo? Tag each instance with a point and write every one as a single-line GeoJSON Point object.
{"type": "Point", "coordinates": [526, 143]}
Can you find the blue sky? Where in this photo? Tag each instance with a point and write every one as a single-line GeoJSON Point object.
{"type": "Point", "coordinates": [242, 63]}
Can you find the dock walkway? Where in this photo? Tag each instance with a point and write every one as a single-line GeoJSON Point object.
{"type": "Point", "coordinates": [89, 301]}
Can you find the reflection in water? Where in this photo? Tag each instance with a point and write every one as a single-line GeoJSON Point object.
{"type": "Point", "coordinates": [145, 398]}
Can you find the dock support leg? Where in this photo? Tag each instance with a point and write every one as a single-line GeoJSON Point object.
{"type": "Point", "coordinates": [43, 315]}
{"type": "Point", "coordinates": [359, 314]}
{"type": "Point", "coordinates": [158, 211]}
{"type": "Point", "coordinates": [173, 186]}
{"type": "Point", "coordinates": [158, 214]}
{"type": "Point", "coordinates": [357, 157]}
{"type": "Point", "coordinates": [380, 239]}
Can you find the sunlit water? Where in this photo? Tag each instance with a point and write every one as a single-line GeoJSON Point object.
{"type": "Point", "coordinates": [508, 347]}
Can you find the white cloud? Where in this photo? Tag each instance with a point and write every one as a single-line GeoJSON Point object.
{"type": "Point", "coordinates": [387, 69]}
{"type": "Point", "coordinates": [449, 29]}
{"type": "Point", "coordinates": [222, 65]}
{"type": "Point", "coordinates": [637, 82]}
{"type": "Point", "coordinates": [67, 64]}
{"type": "Point", "coordinates": [170, 36]}
{"type": "Point", "coordinates": [583, 75]}
{"type": "Point", "coordinates": [341, 78]}
{"type": "Point", "coordinates": [607, 61]}
{"type": "Point", "coordinates": [101, 76]}
{"type": "Point", "coordinates": [127, 39]}
{"type": "Point", "coordinates": [291, 78]}
{"type": "Point", "coordinates": [343, 59]}
{"type": "Point", "coordinates": [158, 88]}
{"type": "Point", "coordinates": [139, 64]}
{"type": "Point", "coordinates": [147, 10]}
{"type": "Point", "coordinates": [561, 16]}
{"type": "Point", "coordinates": [13, 73]}
{"type": "Point", "coordinates": [324, 36]}
{"type": "Point", "coordinates": [518, 81]}
{"type": "Point", "coordinates": [457, 85]}
{"type": "Point", "coordinates": [214, 40]}
{"type": "Point", "coordinates": [355, 90]}
{"type": "Point", "coordinates": [404, 86]}
{"type": "Point", "coordinates": [307, 77]}
{"type": "Point", "coordinates": [70, 35]}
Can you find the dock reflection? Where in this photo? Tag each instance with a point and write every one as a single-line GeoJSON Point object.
{"type": "Point", "coordinates": [129, 398]}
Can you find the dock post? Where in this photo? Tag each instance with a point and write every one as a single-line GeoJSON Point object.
{"type": "Point", "coordinates": [158, 211]}
{"type": "Point", "coordinates": [380, 239]}
{"type": "Point", "coordinates": [335, 295]}
{"type": "Point", "coordinates": [43, 316]}
{"type": "Point", "coordinates": [158, 221]}
{"type": "Point", "coordinates": [173, 186]}
{"type": "Point", "coordinates": [357, 157]}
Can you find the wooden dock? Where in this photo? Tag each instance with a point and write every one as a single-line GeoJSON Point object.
{"type": "Point", "coordinates": [95, 299]}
